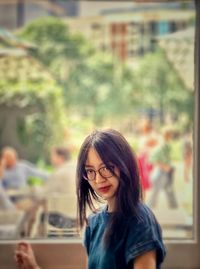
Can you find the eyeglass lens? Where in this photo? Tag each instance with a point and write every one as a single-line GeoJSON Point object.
{"type": "Point", "coordinates": [104, 171]}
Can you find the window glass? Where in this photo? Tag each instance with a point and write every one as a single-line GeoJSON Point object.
{"type": "Point", "coordinates": [65, 72]}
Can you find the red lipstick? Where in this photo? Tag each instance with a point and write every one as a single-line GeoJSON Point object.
{"type": "Point", "coordinates": [104, 189]}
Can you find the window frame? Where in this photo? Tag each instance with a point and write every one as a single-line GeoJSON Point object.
{"type": "Point", "coordinates": [185, 254]}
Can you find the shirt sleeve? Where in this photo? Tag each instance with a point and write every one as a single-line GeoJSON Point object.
{"type": "Point", "coordinates": [144, 236]}
{"type": "Point", "coordinates": [33, 171]}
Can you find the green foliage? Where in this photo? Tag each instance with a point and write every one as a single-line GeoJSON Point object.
{"type": "Point", "coordinates": [161, 88]}
{"type": "Point", "coordinates": [47, 33]}
{"type": "Point", "coordinates": [56, 47]}
{"type": "Point", "coordinates": [97, 86]}
{"type": "Point", "coordinates": [32, 89]}
{"type": "Point", "coordinates": [35, 181]}
{"type": "Point", "coordinates": [101, 87]}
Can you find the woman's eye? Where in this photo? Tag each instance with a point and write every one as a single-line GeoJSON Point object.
{"type": "Point", "coordinates": [105, 168]}
{"type": "Point", "coordinates": [110, 168]}
{"type": "Point", "coordinates": [89, 171]}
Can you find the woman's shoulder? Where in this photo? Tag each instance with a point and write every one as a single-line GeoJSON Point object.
{"type": "Point", "coordinates": [99, 216]}
{"type": "Point", "coordinates": [143, 208]}
{"type": "Point", "coordinates": [144, 234]}
{"type": "Point", "coordinates": [144, 215]}
{"type": "Point", "coordinates": [144, 222]}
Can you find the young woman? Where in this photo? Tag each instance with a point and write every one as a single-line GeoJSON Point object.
{"type": "Point", "coordinates": [124, 233]}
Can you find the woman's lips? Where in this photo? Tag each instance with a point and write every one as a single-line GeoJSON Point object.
{"type": "Point", "coordinates": [104, 189]}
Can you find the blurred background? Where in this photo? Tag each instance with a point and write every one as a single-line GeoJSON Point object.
{"type": "Point", "coordinates": [66, 68]}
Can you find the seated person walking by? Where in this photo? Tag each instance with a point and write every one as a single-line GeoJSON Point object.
{"type": "Point", "coordinates": [6, 204]}
{"type": "Point", "coordinates": [59, 156]}
{"type": "Point", "coordinates": [124, 233]}
{"type": "Point", "coordinates": [15, 176]}
{"type": "Point", "coordinates": [17, 172]}
{"type": "Point", "coordinates": [60, 190]}
{"type": "Point", "coordinates": [63, 175]}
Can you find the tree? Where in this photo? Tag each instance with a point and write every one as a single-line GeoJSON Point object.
{"type": "Point", "coordinates": [162, 89]}
{"type": "Point", "coordinates": [30, 100]}
{"type": "Point", "coordinates": [56, 46]}
{"type": "Point", "coordinates": [100, 88]}
{"type": "Point", "coordinates": [94, 84]}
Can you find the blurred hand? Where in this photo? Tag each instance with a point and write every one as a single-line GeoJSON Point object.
{"type": "Point", "coordinates": [24, 256]}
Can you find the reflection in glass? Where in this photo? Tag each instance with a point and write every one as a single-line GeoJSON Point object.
{"type": "Point", "coordinates": [63, 73]}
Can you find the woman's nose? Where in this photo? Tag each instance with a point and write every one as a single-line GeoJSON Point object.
{"type": "Point", "coordinates": [99, 178]}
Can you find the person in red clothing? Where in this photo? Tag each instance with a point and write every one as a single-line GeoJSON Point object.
{"type": "Point", "coordinates": [148, 140]}
{"type": "Point", "coordinates": [145, 168]}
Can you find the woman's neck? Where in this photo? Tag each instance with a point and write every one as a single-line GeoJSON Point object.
{"type": "Point", "coordinates": [111, 205]}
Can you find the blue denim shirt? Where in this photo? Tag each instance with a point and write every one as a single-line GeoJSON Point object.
{"type": "Point", "coordinates": [139, 236]}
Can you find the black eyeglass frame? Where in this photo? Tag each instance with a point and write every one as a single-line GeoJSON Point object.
{"type": "Point", "coordinates": [109, 167]}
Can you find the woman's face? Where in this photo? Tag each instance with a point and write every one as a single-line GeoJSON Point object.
{"type": "Point", "coordinates": [104, 187]}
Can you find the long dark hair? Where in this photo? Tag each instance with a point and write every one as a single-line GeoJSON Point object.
{"type": "Point", "coordinates": [112, 147]}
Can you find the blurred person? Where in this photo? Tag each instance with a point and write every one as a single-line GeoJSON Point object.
{"type": "Point", "coordinates": [125, 232]}
{"type": "Point", "coordinates": [187, 157]}
{"type": "Point", "coordinates": [59, 156]}
{"type": "Point", "coordinates": [60, 191]}
{"type": "Point", "coordinates": [147, 133]}
{"type": "Point", "coordinates": [15, 177]}
{"type": "Point", "coordinates": [64, 170]}
{"type": "Point", "coordinates": [62, 179]}
{"type": "Point", "coordinates": [148, 139]}
{"type": "Point", "coordinates": [6, 204]}
{"type": "Point", "coordinates": [17, 172]}
{"type": "Point", "coordinates": [186, 195]}
{"type": "Point", "coordinates": [162, 175]}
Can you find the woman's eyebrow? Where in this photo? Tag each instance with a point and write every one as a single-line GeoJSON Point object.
{"type": "Point", "coordinates": [87, 165]}
{"type": "Point", "coordinates": [92, 166]}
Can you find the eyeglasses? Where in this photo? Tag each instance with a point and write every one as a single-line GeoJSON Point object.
{"type": "Point", "coordinates": [104, 171]}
